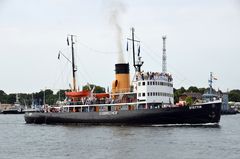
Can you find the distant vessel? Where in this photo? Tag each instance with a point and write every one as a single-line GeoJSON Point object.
{"type": "Point", "coordinates": [147, 100]}
{"type": "Point", "coordinates": [15, 109]}
{"type": "Point", "coordinates": [211, 95]}
{"type": "Point", "coordinates": [35, 107]}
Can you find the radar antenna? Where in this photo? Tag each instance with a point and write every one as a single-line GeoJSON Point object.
{"type": "Point", "coordinates": [164, 56]}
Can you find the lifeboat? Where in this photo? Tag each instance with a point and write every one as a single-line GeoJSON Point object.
{"type": "Point", "coordinates": [101, 95]}
{"type": "Point", "coordinates": [78, 94]}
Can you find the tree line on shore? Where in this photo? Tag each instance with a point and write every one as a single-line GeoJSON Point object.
{"type": "Point", "coordinates": [38, 98]}
{"type": "Point", "coordinates": [51, 97]}
{"type": "Point", "coordinates": [233, 95]}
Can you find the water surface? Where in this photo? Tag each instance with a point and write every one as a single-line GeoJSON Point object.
{"type": "Point", "coordinates": [19, 140]}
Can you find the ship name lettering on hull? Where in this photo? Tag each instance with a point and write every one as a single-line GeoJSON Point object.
{"type": "Point", "coordinates": [108, 113]}
{"type": "Point", "coordinates": [195, 107]}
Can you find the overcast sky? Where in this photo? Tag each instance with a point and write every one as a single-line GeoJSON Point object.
{"type": "Point", "coordinates": [202, 36]}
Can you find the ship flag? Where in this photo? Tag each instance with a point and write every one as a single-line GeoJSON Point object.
{"type": "Point", "coordinates": [138, 50]}
{"type": "Point", "coordinates": [59, 55]}
{"type": "Point", "coordinates": [67, 41]}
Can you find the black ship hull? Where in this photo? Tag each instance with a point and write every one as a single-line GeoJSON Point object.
{"type": "Point", "coordinates": [195, 114]}
{"type": "Point", "coordinates": [12, 112]}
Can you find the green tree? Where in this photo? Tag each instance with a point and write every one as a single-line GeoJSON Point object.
{"type": "Point", "coordinates": [234, 95]}
{"type": "Point", "coordinates": [202, 90]}
{"type": "Point", "coordinates": [50, 98]}
{"type": "Point", "coordinates": [3, 97]}
{"type": "Point", "coordinates": [61, 94]}
{"type": "Point", "coordinates": [178, 93]}
{"type": "Point", "coordinates": [189, 101]}
{"type": "Point", "coordinates": [98, 89]}
{"type": "Point", "coordinates": [25, 99]}
{"type": "Point", "coordinates": [11, 98]}
{"type": "Point", "coordinates": [193, 89]}
{"type": "Point", "coordinates": [182, 90]}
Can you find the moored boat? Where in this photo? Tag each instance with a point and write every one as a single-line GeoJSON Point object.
{"type": "Point", "coordinates": [148, 99]}
{"type": "Point", "coordinates": [12, 111]}
{"type": "Point", "coordinates": [17, 108]}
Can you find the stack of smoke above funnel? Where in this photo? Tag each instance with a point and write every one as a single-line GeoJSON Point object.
{"type": "Point", "coordinates": [117, 8]}
{"type": "Point", "coordinates": [121, 83]}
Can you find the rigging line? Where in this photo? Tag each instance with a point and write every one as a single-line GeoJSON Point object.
{"type": "Point", "coordinates": [60, 78]}
{"type": "Point", "coordinates": [152, 57]}
{"type": "Point", "coordinates": [153, 51]}
{"type": "Point", "coordinates": [65, 66]}
{"type": "Point", "coordinates": [81, 73]}
{"type": "Point", "coordinates": [56, 80]}
{"type": "Point", "coordinates": [58, 75]}
{"type": "Point", "coordinates": [83, 79]}
{"type": "Point", "coordinates": [99, 51]}
{"type": "Point", "coordinates": [177, 75]}
{"type": "Point", "coordinates": [178, 72]}
{"type": "Point", "coordinates": [65, 49]}
{"type": "Point", "coordinates": [84, 68]}
{"type": "Point", "coordinates": [68, 60]}
{"type": "Point", "coordinates": [60, 52]}
{"type": "Point", "coordinates": [158, 61]}
{"type": "Point", "coordinates": [68, 73]}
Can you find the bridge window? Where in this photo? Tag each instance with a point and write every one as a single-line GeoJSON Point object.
{"type": "Point", "coordinates": [143, 94]}
{"type": "Point", "coordinates": [143, 83]}
{"type": "Point", "coordinates": [139, 94]}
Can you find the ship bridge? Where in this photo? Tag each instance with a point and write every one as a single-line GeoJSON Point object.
{"type": "Point", "coordinates": [154, 87]}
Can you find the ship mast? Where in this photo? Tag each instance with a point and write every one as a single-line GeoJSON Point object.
{"type": "Point", "coordinates": [137, 65]}
{"type": "Point", "coordinates": [134, 64]}
{"type": "Point", "coordinates": [210, 83]}
{"type": "Point", "coordinates": [73, 63]}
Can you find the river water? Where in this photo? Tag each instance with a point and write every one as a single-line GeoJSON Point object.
{"type": "Point", "coordinates": [21, 141]}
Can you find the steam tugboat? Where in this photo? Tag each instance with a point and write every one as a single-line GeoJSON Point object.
{"type": "Point", "coordinates": [147, 100]}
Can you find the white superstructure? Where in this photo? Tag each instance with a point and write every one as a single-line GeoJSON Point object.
{"type": "Point", "coordinates": [154, 87]}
